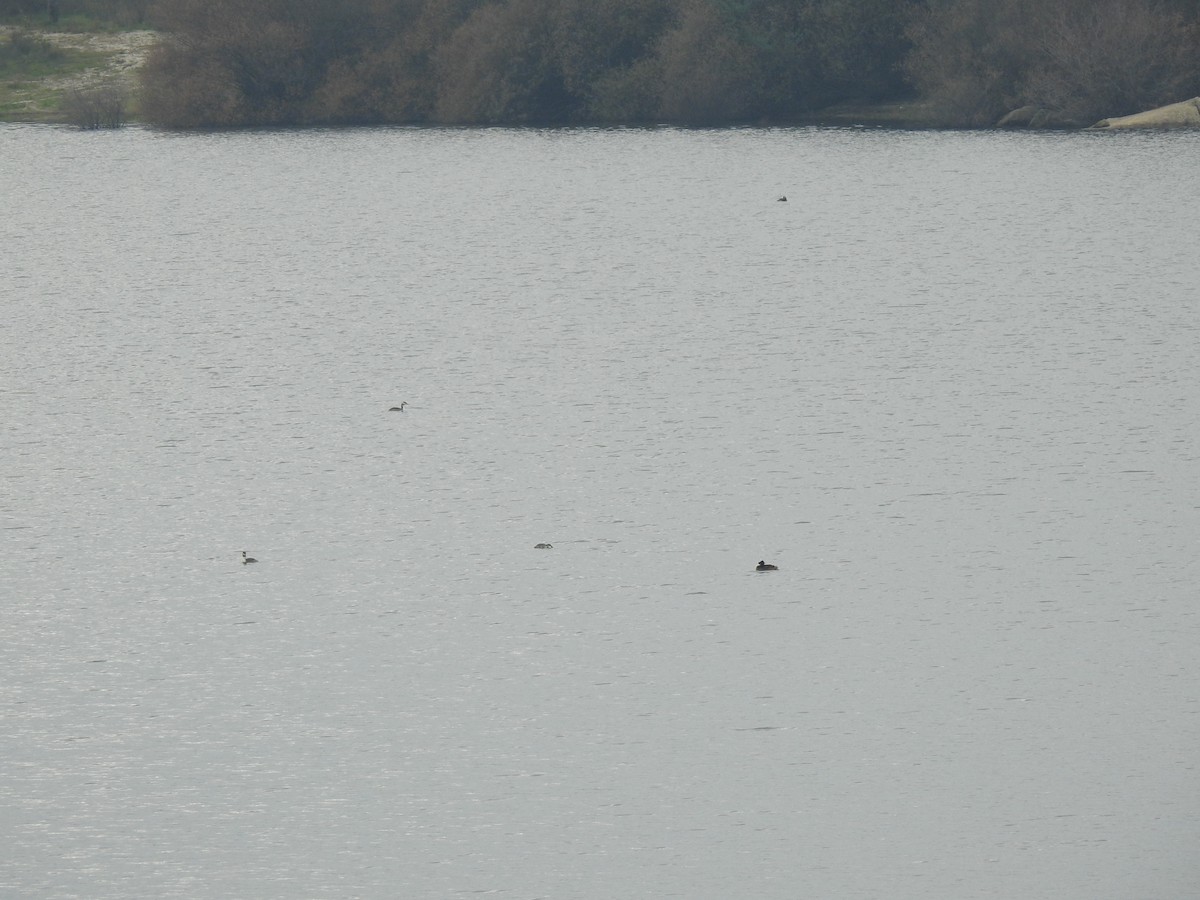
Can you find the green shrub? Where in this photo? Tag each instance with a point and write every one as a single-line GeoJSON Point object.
{"type": "Point", "coordinates": [27, 54]}
{"type": "Point", "coordinates": [98, 106]}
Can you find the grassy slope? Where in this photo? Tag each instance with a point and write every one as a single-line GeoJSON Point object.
{"type": "Point", "coordinates": [41, 66]}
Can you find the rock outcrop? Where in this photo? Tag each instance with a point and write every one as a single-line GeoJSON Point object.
{"type": "Point", "coordinates": [1036, 117]}
{"type": "Point", "coordinates": [1175, 115]}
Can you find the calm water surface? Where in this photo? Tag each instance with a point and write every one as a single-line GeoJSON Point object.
{"type": "Point", "coordinates": [949, 387]}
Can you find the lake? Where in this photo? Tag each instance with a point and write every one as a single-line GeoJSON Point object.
{"type": "Point", "coordinates": [949, 387]}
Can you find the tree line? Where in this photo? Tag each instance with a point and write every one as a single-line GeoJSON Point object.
{"type": "Point", "coordinates": [106, 13]}
{"type": "Point", "coordinates": [703, 62]}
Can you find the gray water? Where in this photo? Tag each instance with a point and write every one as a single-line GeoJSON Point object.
{"type": "Point", "coordinates": [950, 388]}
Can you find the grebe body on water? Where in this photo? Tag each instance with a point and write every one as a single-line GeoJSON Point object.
{"type": "Point", "coordinates": [765, 567]}
{"type": "Point", "coordinates": [399, 408]}
{"type": "Point", "coordinates": [247, 559]}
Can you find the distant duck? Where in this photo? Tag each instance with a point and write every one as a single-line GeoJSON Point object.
{"type": "Point", "coordinates": [247, 559]}
{"type": "Point", "coordinates": [543, 546]}
{"type": "Point", "coordinates": [765, 567]}
{"type": "Point", "coordinates": [781, 200]}
{"type": "Point", "coordinates": [399, 408]}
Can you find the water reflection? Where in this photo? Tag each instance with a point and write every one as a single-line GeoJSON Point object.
{"type": "Point", "coordinates": [936, 387]}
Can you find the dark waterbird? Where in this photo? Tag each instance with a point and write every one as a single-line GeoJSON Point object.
{"type": "Point", "coordinates": [765, 567]}
{"type": "Point", "coordinates": [247, 559]}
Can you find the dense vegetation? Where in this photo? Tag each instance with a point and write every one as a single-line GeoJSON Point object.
{"type": "Point", "coordinates": [1080, 59]}
{"type": "Point", "coordinates": [294, 62]}
{"type": "Point", "coordinates": [520, 61]}
{"type": "Point", "coordinates": [77, 14]}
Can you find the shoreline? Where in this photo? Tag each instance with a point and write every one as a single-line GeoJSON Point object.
{"type": "Point", "coordinates": [96, 59]}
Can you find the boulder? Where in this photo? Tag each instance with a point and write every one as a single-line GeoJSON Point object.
{"type": "Point", "coordinates": [1036, 117]}
{"type": "Point", "coordinates": [1176, 115]}
{"type": "Point", "coordinates": [1019, 118]}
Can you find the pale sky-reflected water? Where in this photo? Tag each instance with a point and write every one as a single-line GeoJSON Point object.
{"type": "Point", "coordinates": [949, 387]}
